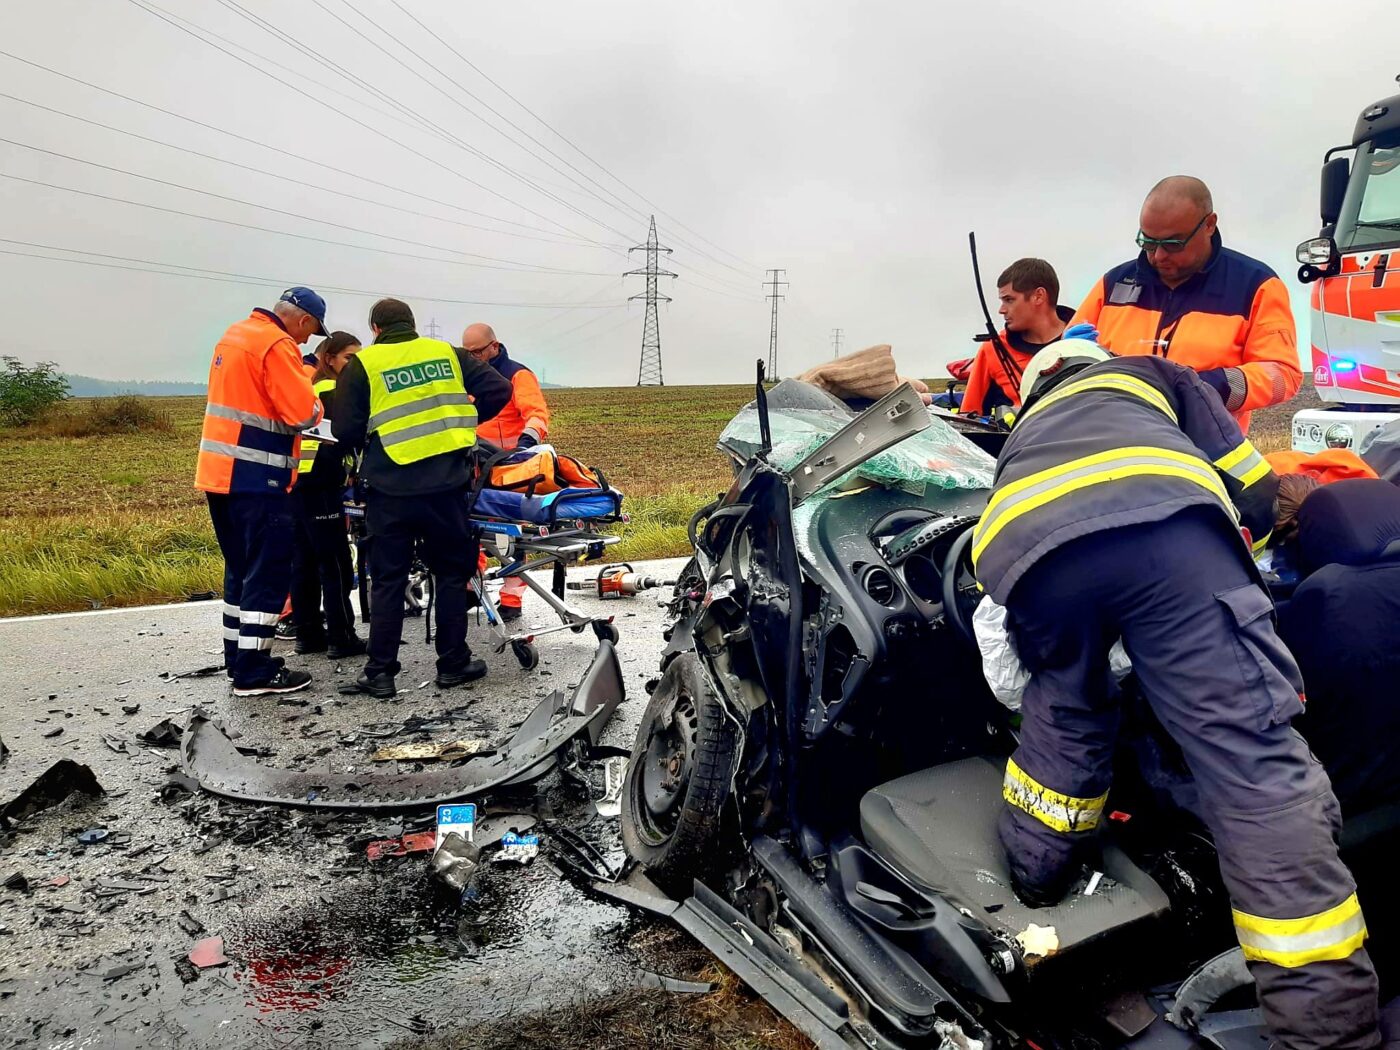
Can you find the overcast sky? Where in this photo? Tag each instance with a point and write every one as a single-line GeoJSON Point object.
{"type": "Point", "coordinates": [853, 145]}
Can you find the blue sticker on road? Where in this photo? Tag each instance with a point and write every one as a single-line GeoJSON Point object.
{"type": "Point", "coordinates": [510, 838]}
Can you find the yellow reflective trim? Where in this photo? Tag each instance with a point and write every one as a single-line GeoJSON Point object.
{"type": "Point", "coordinates": [1122, 383]}
{"type": "Point", "coordinates": [1054, 809]}
{"type": "Point", "coordinates": [1004, 493]}
{"type": "Point", "coordinates": [1235, 456]}
{"type": "Point", "coordinates": [1259, 470]}
{"type": "Point", "coordinates": [1257, 548]}
{"type": "Point", "coordinates": [1327, 936]}
{"type": "Point", "coordinates": [1096, 478]}
{"type": "Point", "coordinates": [1323, 920]}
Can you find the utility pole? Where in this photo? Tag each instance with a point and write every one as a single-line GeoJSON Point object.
{"type": "Point", "coordinates": [649, 371]}
{"type": "Point", "coordinates": [836, 342]}
{"type": "Point", "coordinates": [433, 329]}
{"type": "Point", "coordinates": [772, 283]}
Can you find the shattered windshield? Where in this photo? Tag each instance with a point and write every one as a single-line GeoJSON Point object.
{"type": "Point", "coordinates": [937, 458]}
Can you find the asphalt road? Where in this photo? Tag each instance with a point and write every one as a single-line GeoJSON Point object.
{"type": "Point", "coordinates": [324, 948]}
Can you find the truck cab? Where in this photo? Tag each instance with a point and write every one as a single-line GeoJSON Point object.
{"type": "Point", "coordinates": [1354, 268]}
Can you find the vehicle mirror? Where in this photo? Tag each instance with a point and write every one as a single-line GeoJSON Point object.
{"type": "Point", "coordinates": [1335, 174]}
{"type": "Point", "coordinates": [1320, 259]}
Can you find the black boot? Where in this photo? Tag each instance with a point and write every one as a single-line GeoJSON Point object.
{"type": "Point", "coordinates": [474, 670]}
{"type": "Point", "coordinates": [381, 687]}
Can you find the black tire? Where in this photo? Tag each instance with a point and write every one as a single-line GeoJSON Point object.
{"type": "Point", "coordinates": [678, 779]}
{"type": "Point", "coordinates": [527, 654]}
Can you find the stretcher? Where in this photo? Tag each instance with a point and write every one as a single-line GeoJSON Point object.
{"type": "Point", "coordinates": [531, 533]}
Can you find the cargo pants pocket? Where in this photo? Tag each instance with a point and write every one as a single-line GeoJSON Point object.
{"type": "Point", "coordinates": [1268, 672]}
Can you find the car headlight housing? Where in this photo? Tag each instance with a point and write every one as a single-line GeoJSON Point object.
{"type": "Point", "coordinates": [1338, 435]}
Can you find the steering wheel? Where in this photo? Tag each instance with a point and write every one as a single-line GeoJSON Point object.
{"type": "Point", "coordinates": [961, 595]}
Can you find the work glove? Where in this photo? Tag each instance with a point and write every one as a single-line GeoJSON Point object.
{"type": "Point", "coordinates": [1083, 330]}
{"type": "Point", "coordinates": [527, 440]}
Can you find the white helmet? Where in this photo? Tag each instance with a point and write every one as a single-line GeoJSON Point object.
{"type": "Point", "coordinates": [1054, 357]}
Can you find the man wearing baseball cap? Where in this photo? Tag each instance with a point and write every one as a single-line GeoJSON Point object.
{"type": "Point", "coordinates": [260, 399]}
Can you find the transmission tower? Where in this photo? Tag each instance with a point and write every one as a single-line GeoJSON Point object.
{"type": "Point", "coordinates": [649, 372]}
{"type": "Point", "coordinates": [433, 329]}
{"type": "Point", "coordinates": [772, 284]}
{"type": "Point", "coordinates": [836, 342]}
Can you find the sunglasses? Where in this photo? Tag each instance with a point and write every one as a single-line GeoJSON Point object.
{"type": "Point", "coordinates": [479, 349]}
{"type": "Point", "coordinates": [1170, 245]}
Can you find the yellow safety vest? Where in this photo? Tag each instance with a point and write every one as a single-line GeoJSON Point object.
{"type": "Point", "coordinates": [418, 404]}
{"type": "Point", "coordinates": [309, 445]}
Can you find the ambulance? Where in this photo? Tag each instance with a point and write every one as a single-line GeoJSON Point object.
{"type": "Point", "coordinates": [1353, 266]}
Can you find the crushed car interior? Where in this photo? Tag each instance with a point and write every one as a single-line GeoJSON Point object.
{"type": "Point", "coordinates": [815, 785]}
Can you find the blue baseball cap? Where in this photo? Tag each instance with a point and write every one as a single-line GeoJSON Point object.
{"type": "Point", "coordinates": [306, 299]}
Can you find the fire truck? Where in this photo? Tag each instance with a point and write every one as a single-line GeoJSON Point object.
{"type": "Point", "coordinates": [1354, 267]}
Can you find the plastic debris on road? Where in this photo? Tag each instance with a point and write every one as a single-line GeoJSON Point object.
{"type": "Point", "coordinates": [456, 862]}
{"type": "Point", "coordinates": [208, 952]}
{"type": "Point", "coordinates": [65, 777]}
{"type": "Point", "coordinates": [421, 842]}
{"type": "Point", "coordinates": [447, 751]}
{"type": "Point", "coordinates": [518, 849]}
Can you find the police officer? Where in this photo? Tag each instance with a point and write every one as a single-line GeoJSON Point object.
{"type": "Point", "coordinates": [259, 399]}
{"type": "Point", "coordinates": [413, 405]}
{"type": "Point", "coordinates": [1188, 298]}
{"type": "Point", "coordinates": [1120, 500]}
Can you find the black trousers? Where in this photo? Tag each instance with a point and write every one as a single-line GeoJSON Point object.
{"type": "Point", "coordinates": [322, 574]}
{"type": "Point", "coordinates": [438, 523]}
{"type": "Point", "coordinates": [255, 535]}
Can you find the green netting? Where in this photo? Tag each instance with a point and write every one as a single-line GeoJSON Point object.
{"type": "Point", "coordinates": [937, 458]}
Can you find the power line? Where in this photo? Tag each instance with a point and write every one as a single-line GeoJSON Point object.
{"type": "Point", "coordinates": [493, 265]}
{"type": "Point", "coordinates": [157, 13]}
{"type": "Point", "coordinates": [774, 295]}
{"type": "Point", "coordinates": [836, 342]}
{"type": "Point", "coordinates": [465, 109]}
{"type": "Point", "coordinates": [251, 280]}
{"type": "Point", "coordinates": [554, 237]}
{"type": "Point", "coordinates": [649, 371]}
{"type": "Point", "coordinates": [477, 69]}
{"type": "Point", "coordinates": [272, 174]}
{"type": "Point", "coordinates": [621, 206]}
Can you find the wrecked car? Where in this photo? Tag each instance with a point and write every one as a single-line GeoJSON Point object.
{"type": "Point", "coordinates": [817, 778]}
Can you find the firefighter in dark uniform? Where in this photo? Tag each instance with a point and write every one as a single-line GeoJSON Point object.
{"type": "Point", "coordinates": [1121, 500]}
{"type": "Point", "coordinates": [413, 404]}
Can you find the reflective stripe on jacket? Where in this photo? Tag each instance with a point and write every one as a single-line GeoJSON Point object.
{"type": "Point", "coordinates": [259, 399]}
{"type": "Point", "coordinates": [309, 445]}
{"type": "Point", "coordinates": [418, 405]}
{"type": "Point", "coordinates": [1123, 442]}
{"type": "Point", "coordinates": [1233, 316]}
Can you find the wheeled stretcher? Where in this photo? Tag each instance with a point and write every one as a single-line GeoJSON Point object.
{"type": "Point", "coordinates": [530, 533]}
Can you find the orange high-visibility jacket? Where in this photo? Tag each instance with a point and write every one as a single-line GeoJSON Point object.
{"type": "Point", "coordinates": [260, 398]}
{"type": "Point", "coordinates": [1329, 465]}
{"type": "Point", "coordinates": [989, 386]}
{"type": "Point", "coordinates": [1231, 322]}
{"type": "Point", "coordinates": [526, 411]}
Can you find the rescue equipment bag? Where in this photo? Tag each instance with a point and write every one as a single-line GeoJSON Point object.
{"type": "Point", "coordinates": [540, 470]}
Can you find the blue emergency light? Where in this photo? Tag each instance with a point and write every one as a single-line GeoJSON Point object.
{"type": "Point", "coordinates": [1343, 365]}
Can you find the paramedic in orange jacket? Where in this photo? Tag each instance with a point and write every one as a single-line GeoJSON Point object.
{"type": "Point", "coordinates": [1029, 293]}
{"type": "Point", "coordinates": [260, 398]}
{"type": "Point", "coordinates": [523, 423]}
{"type": "Point", "coordinates": [1190, 299]}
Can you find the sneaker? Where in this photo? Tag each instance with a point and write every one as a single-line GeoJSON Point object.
{"type": "Point", "coordinates": [509, 613]}
{"type": "Point", "coordinates": [381, 687]}
{"type": "Point", "coordinates": [284, 681]}
{"type": "Point", "coordinates": [307, 648]}
{"type": "Point", "coordinates": [285, 629]}
{"type": "Point", "coordinates": [474, 670]}
{"type": "Point", "coordinates": [344, 650]}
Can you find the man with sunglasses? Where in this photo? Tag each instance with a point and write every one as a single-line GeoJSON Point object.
{"type": "Point", "coordinates": [1188, 298]}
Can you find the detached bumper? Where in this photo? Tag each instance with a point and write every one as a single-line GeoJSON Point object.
{"type": "Point", "coordinates": [211, 758]}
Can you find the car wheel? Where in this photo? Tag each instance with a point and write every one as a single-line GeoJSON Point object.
{"type": "Point", "coordinates": [679, 777]}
